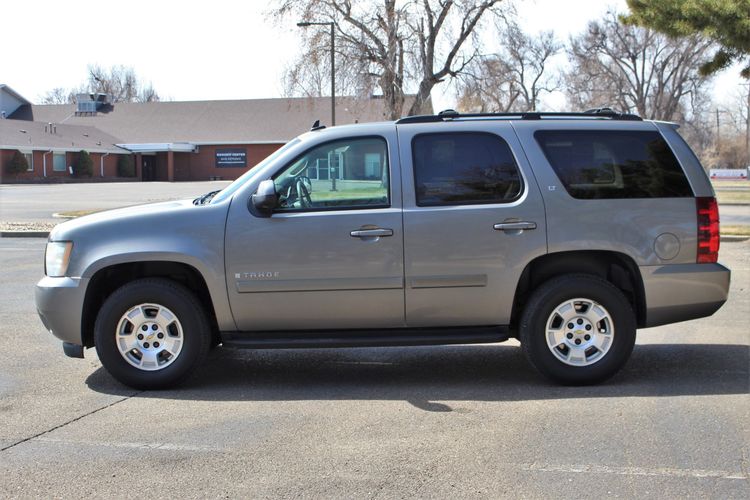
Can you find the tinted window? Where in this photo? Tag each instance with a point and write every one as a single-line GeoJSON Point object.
{"type": "Point", "coordinates": [463, 168]}
{"type": "Point", "coordinates": [348, 173]}
{"type": "Point", "coordinates": [614, 164]}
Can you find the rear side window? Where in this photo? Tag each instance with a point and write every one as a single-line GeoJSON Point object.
{"type": "Point", "coordinates": [463, 168]}
{"type": "Point", "coordinates": [608, 164]}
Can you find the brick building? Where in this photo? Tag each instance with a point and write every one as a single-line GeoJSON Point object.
{"type": "Point", "coordinates": [170, 141]}
{"type": "Point", "coordinates": [51, 150]}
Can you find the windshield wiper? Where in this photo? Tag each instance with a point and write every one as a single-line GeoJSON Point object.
{"type": "Point", "coordinates": [202, 200]}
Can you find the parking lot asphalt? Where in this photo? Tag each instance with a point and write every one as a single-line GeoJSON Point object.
{"type": "Point", "coordinates": [443, 422]}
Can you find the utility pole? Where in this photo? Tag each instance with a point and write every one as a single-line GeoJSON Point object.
{"type": "Point", "coordinates": [718, 132]}
{"type": "Point", "coordinates": [303, 24]}
{"type": "Point", "coordinates": [332, 25]}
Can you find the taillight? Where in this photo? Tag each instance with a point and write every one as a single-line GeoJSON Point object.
{"type": "Point", "coordinates": [708, 230]}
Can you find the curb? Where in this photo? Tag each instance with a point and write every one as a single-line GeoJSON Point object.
{"type": "Point", "coordinates": [731, 238]}
{"type": "Point", "coordinates": [24, 234]}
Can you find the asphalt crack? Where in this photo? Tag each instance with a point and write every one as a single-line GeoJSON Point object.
{"type": "Point", "coordinates": [73, 420]}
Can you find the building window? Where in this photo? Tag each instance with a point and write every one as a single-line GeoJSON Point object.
{"type": "Point", "coordinates": [58, 162]}
{"type": "Point", "coordinates": [29, 160]}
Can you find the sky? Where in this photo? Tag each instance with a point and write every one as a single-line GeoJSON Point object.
{"type": "Point", "coordinates": [189, 50]}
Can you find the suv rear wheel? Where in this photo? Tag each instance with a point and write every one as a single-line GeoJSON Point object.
{"type": "Point", "coordinates": [151, 333]}
{"type": "Point", "coordinates": [578, 329]}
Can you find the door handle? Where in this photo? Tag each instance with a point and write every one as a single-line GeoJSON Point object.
{"type": "Point", "coordinates": [371, 233]}
{"type": "Point", "coordinates": [515, 226]}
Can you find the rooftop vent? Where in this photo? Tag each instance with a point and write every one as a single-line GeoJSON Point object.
{"type": "Point", "coordinates": [89, 104]}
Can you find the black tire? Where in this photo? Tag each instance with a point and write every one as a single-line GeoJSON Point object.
{"type": "Point", "coordinates": [546, 299]}
{"type": "Point", "coordinates": [195, 332]}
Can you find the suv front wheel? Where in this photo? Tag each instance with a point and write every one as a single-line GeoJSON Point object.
{"type": "Point", "coordinates": [151, 333]}
{"type": "Point", "coordinates": [578, 329]}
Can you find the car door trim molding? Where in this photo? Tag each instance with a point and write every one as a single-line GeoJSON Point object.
{"type": "Point", "coordinates": [452, 281]}
{"type": "Point", "coordinates": [319, 284]}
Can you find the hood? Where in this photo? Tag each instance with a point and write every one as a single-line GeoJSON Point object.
{"type": "Point", "coordinates": [119, 217]}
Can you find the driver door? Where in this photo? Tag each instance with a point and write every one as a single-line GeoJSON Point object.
{"type": "Point", "coordinates": [331, 255]}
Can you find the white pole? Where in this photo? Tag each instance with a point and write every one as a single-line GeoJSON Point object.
{"type": "Point", "coordinates": [101, 163]}
{"type": "Point", "coordinates": [44, 161]}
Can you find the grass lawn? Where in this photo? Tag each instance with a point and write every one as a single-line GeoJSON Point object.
{"type": "Point", "coordinates": [349, 194]}
{"type": "Point", "coordinates": [735, 230]}
{"type": "Point", "coordinates": [718, 184]}
{"type": "Point", "coordinates": [732, 196]}
{"type": "Point", "coordinates": [72, 214]}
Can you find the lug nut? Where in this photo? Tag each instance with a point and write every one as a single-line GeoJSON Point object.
{"type": "Point", "coordinates": [587, 337]}
{"type": "Point", "coordinates": [571, 325]}
{"type": "Point", "coordinates": [144, 328]}
{"type": "Point", "coordinates": [156, 344]}
{"type": "Point", "coordinates": [588, 327]}
{"type": "Point", "coordinates": [570, 335]}
{"type": "Point", "coordinates": [580, 321]}
{"type": "Point", "coordinates": [154, 327]}
{"type": "Point", "coordinates": [140, 337]}
{"type": "Point", "coordinates": [578, 342]}
{"type": "Point", "coordinates": [145, 344]}
{"type": "Point", "coordinates": [160, 335]}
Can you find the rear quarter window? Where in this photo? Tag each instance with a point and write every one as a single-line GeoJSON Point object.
{"type": "Point", "coordinates": [607, 164]}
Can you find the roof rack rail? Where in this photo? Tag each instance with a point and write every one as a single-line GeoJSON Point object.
{"type": "Point", "coordinates": [450, 114]}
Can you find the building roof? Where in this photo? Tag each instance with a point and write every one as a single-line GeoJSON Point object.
{"type": "Point", "coordinates": [10, 101]}
{"type": "Point", "coordinates": [10, 91]}
{"type": "Point", "coordinates": [25, 135]}
{"type": "Point", "coordinates": [211, 122]}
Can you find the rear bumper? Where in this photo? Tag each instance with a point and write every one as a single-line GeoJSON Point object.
{"type": "Point", "coordinates": [59, 302]}
{"type": "Point", "coordinates": [680, 292]}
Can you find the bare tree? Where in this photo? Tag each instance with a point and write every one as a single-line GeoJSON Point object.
{"type": "Point", "coordinates": [121, 82]}
{"type": "Point", "coordinates": [636, 70]}
{"type": "Point", "coordinates": [389, 45]}
{"type": "Point", "coordinates": [58, 95]}
{"type": "Point", "coordinates": [735, 136]}
{"type": "Point", "coordinates": [310, 74]}
{"type": "Point", "coordinates": [432, 23]}
{"type": "Point", "coordinates": [514, 78]}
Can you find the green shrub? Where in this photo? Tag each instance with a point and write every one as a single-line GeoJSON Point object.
{"type": "Point", "coordinates": [84, 165]}
{"type": "Point", "coordinates": [17, 163]}
{"type": "Point", "coordinates": [125, 166]}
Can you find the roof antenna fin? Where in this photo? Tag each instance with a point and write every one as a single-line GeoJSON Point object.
{"type": "Point", "coordinates": [317, 126]}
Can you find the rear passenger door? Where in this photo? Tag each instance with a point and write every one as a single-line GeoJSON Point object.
{"type": "Point", "coordinates": [473, 219]}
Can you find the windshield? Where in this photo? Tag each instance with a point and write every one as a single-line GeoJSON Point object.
{"type": "Point", "coordinates": [230, 189]}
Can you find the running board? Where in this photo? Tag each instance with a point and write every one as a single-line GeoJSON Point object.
{"type": "Point", "coordinates": [365, 338]}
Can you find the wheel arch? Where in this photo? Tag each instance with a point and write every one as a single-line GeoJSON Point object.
{"type": "Point", "coordinates": [615, 267]}
{"type": "Point", "coordinates": [108, 279]}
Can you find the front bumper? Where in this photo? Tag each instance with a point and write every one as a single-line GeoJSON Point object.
{"type": "Point", "coordinates": [59, 302]}
{"type": "Point", "coordinates": [680, 292]}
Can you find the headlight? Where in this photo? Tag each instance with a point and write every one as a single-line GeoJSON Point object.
{"type": "Point", "coordinates": [57, 257]}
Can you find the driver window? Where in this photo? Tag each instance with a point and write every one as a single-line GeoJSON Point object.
{"type": "Point", "coordinates": [343, 174]}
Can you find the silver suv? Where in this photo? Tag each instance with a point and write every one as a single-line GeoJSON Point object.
{"type": "Point", "coordinates": [567, 231]}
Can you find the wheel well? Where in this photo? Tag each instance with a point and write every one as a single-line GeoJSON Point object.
{"type": "Point", "coordinates": [617, 268]}
{"type": "Point", "coordinates": [109, 279]}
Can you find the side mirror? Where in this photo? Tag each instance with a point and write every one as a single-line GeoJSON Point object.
{"type": "Point", "coordinates": [265, 198]}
